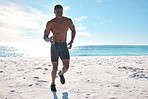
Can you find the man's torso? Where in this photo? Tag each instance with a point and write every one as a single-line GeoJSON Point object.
{"type": "Point", "coordinates": [59, 28]}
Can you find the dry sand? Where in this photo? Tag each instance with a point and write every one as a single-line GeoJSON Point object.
{"type": "Point", "coordinates": [102, 77]}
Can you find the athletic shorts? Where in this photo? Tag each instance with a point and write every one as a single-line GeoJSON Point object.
{"type": "Point", "coordinates": [59, 49]}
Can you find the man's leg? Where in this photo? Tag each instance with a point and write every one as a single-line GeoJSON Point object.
{"type": "Point", "coordinates": [64, 55]}
{"type": "Point", "coordinates": [54, 71]}
{"type": "Point", "coordinates": [54, 60]}
{"type": "Point", "coordinates": [65, 66]}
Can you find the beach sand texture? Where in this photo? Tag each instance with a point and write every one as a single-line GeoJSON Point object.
{"type": "Point", "coordinates": [97, 77]}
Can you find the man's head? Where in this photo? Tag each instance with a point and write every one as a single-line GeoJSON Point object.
{"type": "Point", "coordinates": [58, 10]}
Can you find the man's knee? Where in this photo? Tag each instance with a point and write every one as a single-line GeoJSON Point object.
{"type": "Point", "coordinates": [67, 66]}
{"type": "Point", "coordinates": [55, 69]}
{"type": "Point", "coordinates": [55, 66]}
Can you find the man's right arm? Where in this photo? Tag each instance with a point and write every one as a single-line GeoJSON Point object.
{"type": "Point", "coordinates": [47, 31]}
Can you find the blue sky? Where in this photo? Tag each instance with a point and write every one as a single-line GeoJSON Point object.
{"type": "Point", "coordinates": [98, 22]}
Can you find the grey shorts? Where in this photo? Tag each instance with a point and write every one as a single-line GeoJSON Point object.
{"type": "Point", "coordinates": [59, 50]}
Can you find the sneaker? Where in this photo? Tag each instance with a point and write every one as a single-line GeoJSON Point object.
{"type": "Point", "coordinates": [62, 79]}
{"type": "Point", "coordinates": [53, 88]}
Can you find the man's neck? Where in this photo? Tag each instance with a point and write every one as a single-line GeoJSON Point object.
{"type": "Point", "coordinates": [59, 17]}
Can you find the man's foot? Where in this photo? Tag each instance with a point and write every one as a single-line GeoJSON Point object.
{"type": "Point", "coordinates": [62, 79]}
{"type": "Point", "coordinates": [53, 88]}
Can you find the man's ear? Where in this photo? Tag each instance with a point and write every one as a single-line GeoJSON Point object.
{"type": "Point", "coordinates": [54, 12]}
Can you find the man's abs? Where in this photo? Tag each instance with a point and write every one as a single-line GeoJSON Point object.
{"type": "Point", "coordinates": [60, 37]}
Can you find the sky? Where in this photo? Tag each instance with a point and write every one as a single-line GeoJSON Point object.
{"type": "Point", "coordinates": [97, 22]}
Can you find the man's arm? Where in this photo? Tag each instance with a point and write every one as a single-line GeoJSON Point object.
{"type": "Point", "coordinates": [47, 32]}
{"type": "Point", "coordinates": [73, 33]}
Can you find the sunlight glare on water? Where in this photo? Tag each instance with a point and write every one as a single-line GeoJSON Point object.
{"type": "Point", "coordinates": [26, 49]}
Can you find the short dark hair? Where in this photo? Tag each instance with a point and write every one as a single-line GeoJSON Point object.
{"type": "Point", "coordinates": [58, 7]}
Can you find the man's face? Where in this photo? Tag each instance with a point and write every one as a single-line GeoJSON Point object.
{"type": "Point", "coordinates": [58, 13]}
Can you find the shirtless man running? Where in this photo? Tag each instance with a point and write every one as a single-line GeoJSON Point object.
{"type": "Point", "coordinates": [59, 48]}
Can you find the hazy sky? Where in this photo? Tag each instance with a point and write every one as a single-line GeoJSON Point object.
{"type": "Point", "coordinates": [96, 21]}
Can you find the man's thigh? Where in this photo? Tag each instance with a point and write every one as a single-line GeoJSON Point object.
{"type": "Point", "coordinates": [54, 53]}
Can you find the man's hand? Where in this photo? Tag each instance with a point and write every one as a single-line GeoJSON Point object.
{"type": "Point", "coordinates": [51, 40]}
{"type": "Point", "coordinates": [69, 46]}
{"type": "Point", "coordinates": [47, 39]}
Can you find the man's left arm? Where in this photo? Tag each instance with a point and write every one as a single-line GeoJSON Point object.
{"type": "Point", "coordinates": [73, 33]}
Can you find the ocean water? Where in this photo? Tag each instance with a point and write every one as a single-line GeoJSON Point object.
{"type": "Point", "coordinates": [110, 50]}
{"type": "Point", "coordinates": [7, 51]}
{"type": "Point", "coordinates": [90, 50]}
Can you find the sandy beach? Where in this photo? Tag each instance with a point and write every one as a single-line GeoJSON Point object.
{"type": "Point", "coordinates": [98, 77]}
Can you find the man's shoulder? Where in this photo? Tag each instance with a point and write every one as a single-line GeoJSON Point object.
{"type": "Point", "coordinates": [54, 20]}
{"type": "Point", "coordinates": [51, 21]}
{"type": "Point", "coordinates": [67, 18]}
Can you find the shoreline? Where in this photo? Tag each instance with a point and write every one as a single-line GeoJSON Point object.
{"type": "Point", "coordinates": [73, 56]}
{"type": "Point", "coordinates": [91, 77]}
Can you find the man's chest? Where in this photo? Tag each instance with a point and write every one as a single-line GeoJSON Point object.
{"type": "Point", "coordinates": [60, 26]}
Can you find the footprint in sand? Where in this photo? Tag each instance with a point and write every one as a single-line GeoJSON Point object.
{"type": "Point", "coordinates": [45, 68]}
{"type": "Point", "coordinates": [41, 81]}
{"type": "Point", "coordinates": [38, 68]}
{"type": "Point", "coordinates": [36, 77]}
{"type": "Point", "coordinates": [12, 91]}
{"type": "Point", "coordinates": [30, 84]}
{"type": "Point", "coordinates": [20, 70]}
{"type": "Point", "coordinates": [117, 85]}
{"type": "Point", "coordinates": [49, 65]}
{"type": "Point", "coordinates": [138, 75]}
{"type": "Point", "coordinates": [112, 98]}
